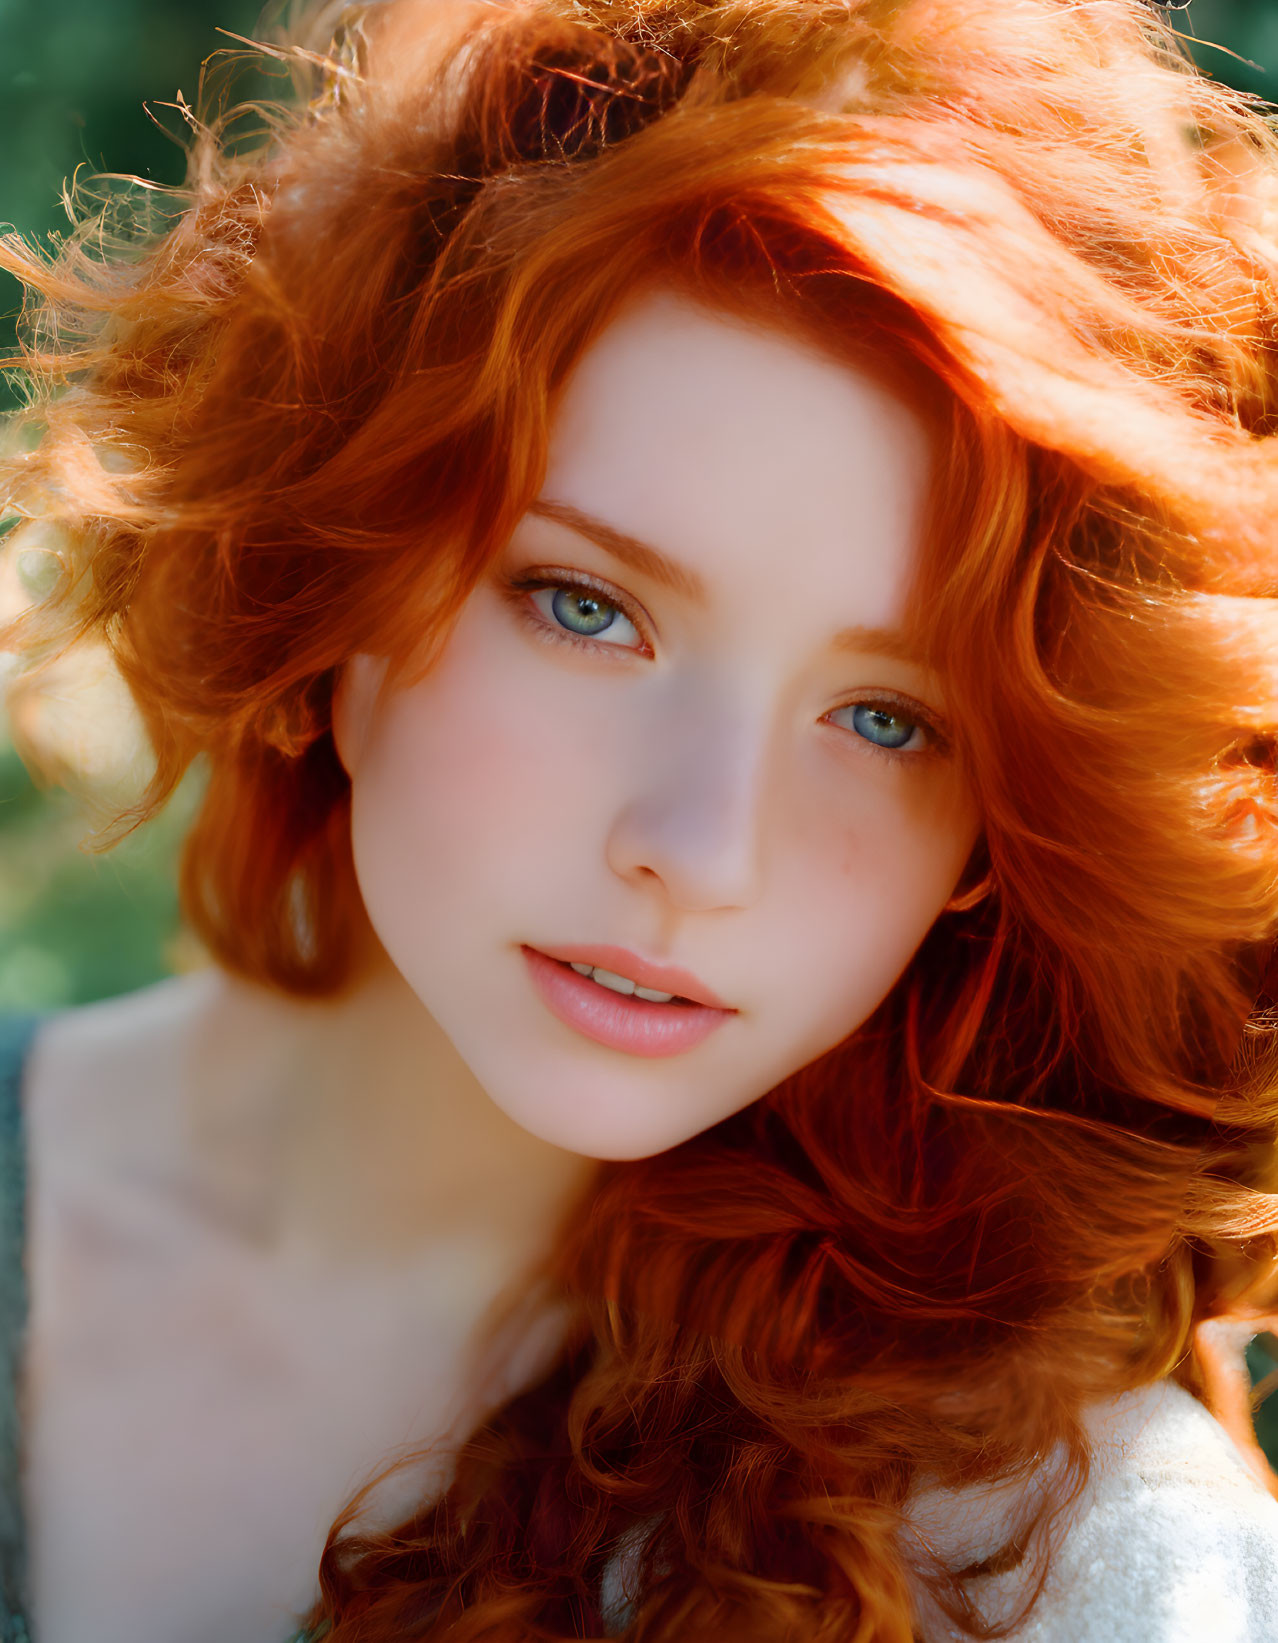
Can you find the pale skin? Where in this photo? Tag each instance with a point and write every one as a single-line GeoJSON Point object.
{"type": "Point", "coordinates": [265, 1232]}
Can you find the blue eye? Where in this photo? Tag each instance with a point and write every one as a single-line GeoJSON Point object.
{"type": "Point", "coordinates": [883, 727]}
{"type": "Point", "coordinates": [575, 612]}
{"type": "Point", "coordinates": [581, 611]}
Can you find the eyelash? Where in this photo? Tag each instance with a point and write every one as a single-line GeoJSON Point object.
{"type": "Point", "coordinates": [519, 586]}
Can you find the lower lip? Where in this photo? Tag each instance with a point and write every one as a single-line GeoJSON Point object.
{"type": "Point", "coordinates": [620, 1022]}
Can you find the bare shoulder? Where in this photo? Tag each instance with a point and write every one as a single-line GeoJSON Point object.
{"type": "Point", "coordinates": [119, 1030]}
{"type": "Point", "coordinates": [164, 1097]}
{"type": "Point", "coordinates": [99, 1078]}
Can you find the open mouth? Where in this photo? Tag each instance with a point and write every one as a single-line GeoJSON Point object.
{"type": "Point", "coordinates": [621, 1020]}
{"type": "Point", "coordinates": [622, 986]}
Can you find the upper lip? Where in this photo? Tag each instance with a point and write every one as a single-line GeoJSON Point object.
{"type": "Point", "coordinates": [663, 978]}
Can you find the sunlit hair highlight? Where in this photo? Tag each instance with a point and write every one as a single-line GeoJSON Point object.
{"type": "Point", "coordinates": [301, 422]}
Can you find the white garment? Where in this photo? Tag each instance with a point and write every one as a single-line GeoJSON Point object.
{"type": "Point", "coordinates": [1173, 1540]}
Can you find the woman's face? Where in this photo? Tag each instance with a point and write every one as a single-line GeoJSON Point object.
{"type": "Point", "coordinates": [672, 720]}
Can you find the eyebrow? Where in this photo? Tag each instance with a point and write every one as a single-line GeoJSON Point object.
{"type": "Point", "coordinates": [645, 559]}
{"type": "Point", "coordinates": [629, 549]}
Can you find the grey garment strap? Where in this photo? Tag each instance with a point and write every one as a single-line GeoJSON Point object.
{"type": "Point", "coordinates": [16, 1032]}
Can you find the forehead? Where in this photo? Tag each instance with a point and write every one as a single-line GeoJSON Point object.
{"type": "Point", "coordinates": [735, 446]}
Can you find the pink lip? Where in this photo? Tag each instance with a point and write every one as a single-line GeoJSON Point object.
{"type": "Point", "coordinates": [662, 978]}
{"type": "Point", "coordinates": [622, 1023]}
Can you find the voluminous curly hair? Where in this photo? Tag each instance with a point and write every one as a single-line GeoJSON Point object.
{"type": "Point", "coordinates": [298, 422]}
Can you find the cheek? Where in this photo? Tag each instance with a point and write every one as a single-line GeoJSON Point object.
{"type": "Point", "coordinates": [909, 838]}
{"type": "Point", "coordinates": [490, 766]}
{"type": "Point", "coordinates": [438, 781]}
{"type": "Point", "coordinates": [873, 870]}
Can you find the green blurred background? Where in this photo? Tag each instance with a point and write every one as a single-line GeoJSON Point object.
{"type": "Point", "coordinates": [76, 77]}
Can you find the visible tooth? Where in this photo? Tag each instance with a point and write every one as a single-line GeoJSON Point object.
{"type": "Point", "coordinates": [608, 978]}
{"type": "Point", "coordinates": [622, 984]}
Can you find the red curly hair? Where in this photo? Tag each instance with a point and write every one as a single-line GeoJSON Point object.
{"type": "Point", "coordinates": [299, 422]}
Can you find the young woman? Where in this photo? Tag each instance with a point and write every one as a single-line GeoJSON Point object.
{"type": "Point", "coordinates": [718, 560]}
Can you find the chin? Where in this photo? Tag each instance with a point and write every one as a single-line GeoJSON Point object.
{"type": "Point", "coordinates": [615, 1138]}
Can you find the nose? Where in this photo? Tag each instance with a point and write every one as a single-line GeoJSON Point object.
{"type": "Point", "coordinates": [694, 817]}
